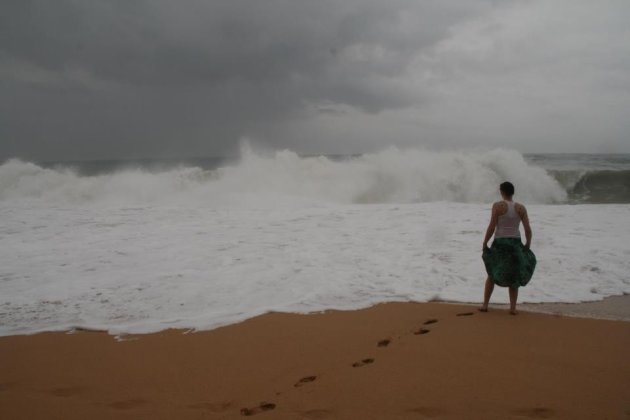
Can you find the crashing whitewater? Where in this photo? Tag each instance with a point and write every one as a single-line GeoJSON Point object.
{"type": "Point", "coordinates": [186, 247]}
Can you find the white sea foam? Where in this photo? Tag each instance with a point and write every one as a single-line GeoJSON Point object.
{"type": "Point", "coordinates": [136, 251]}
{"type": "Point", "coordinates": [390, 176]}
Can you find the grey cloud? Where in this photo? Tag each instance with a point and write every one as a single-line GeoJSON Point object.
{"type": "Point", "coordinates": [90, 79]}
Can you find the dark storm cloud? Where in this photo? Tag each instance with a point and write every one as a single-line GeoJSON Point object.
{"type": "Point", "coordinates": [149, 77]}
{"type": "Point", "coordinates": [162, 78]}
{"type": "Point", "coordinates": [188, 42]}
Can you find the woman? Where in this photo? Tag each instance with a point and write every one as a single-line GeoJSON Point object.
{"type": "Point", "coordinates": [508, 262]}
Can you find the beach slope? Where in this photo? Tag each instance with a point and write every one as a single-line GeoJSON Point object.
{"type": "Point", "coordinates": [391, 361]}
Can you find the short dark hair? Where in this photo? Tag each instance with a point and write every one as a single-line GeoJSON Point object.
{"type": "Point", "coordinates": [507, 188]}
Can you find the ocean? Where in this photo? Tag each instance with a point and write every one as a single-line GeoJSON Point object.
{"type": "Point", "coordinates": [132, 246]}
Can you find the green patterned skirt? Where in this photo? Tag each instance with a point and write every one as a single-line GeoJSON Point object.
{"type": "Point", "coordinates": [509, 263]}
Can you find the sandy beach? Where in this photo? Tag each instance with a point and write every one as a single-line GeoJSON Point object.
{"type": "Point", "coordinates": [390, 361]}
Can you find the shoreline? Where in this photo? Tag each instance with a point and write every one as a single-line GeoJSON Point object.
{"type": "Point", "coordinates": [392, 360]}
{"type": "Point", "coordinates": [611, 308]}
{"type": "Point", "coordinates": [614, 308]}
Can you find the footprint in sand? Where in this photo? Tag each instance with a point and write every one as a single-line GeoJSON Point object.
{"type": "Point", "coordinates": [430, 321]}
{"type": "Point", "coordinates": [466, 314]}
{"type": "Point", "coordinates": [305, 380]}
{"type": "Point", "coordinates": [363, 362]}
{"type": "Point", "coordinates": [128, 404]}
{"type": "Point", "coordinates": [384, 343]}
{"type": "Point", "coordinates": [5, 386]}
{"type": "Point", "coordinates": [69, 391]}
{"type": "Point", "coordinates": [422, 331]}
{"type": "Point", "coordinates": [263, 406]}
{"type": "Point", "coordinates": [535, 413]}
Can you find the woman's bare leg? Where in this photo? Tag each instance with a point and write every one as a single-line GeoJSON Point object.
{"type": "Point", "coordinates": [487, 292]}
{"type": "Point", "coordinates": [513, 297]}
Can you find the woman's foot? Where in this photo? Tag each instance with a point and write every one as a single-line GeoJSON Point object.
{"type": "Point", "coordinates": [513, 312]}
{"type": "Point", "coordinates": [483, 309]}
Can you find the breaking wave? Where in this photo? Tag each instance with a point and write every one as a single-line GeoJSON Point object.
{"type": "Point", "coordinates": [390, 176]}
{"type": "Point", "coordinates": [595, 186]}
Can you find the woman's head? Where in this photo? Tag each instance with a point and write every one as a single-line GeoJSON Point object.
{"type": "Point", "coordinates": [507, 189]}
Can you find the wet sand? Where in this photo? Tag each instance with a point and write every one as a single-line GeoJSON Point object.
{"type": "Point", "coordinates": [615, 308]}
{"type": "Point", "coordinates": [612, 308]}
{"type": "Point", "coordinates": [391, 361]}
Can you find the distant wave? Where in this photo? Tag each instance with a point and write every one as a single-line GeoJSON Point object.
{"type": "Point", "coordinates": [390, 176]}
{"type": "Point", "coordinates": [595, 186]}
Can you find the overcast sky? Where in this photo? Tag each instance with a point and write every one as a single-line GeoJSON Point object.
{"type": "Point", "coordinates": [83, 79]}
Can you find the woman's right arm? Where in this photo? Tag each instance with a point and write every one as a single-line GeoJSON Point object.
{"type": "Point", "coordinates": [494, 217]}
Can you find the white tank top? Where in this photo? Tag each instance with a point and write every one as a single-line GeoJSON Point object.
{"type": "Point", "coordinates": [508, 224]}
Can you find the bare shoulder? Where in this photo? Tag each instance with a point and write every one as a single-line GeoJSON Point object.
{"type": "Point", "coordinates": [520, 209]}
{"type": "Point", "coordinates": [499, 207]}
